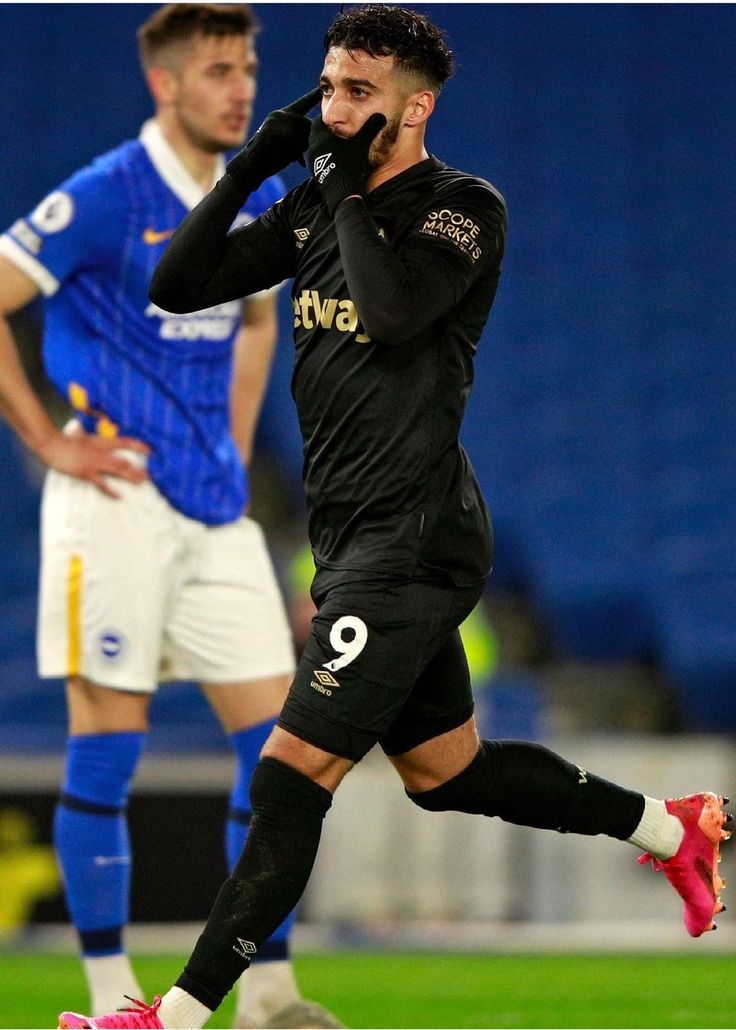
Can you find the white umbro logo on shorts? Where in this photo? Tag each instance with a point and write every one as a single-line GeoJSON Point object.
{"type": "Point", "coordinates": [323, 166]}
{"type": "Point", "coordinates": [326, 678]}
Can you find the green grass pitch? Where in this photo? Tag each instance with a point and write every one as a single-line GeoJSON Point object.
{"type": "Point", "coordinates": [400, 990]}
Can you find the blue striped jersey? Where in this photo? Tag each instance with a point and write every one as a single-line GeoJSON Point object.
{"type": "Point", "coordinates": [125, 365]}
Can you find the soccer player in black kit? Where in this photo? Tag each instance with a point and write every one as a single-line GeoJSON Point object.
{"type": "Point", "coordinates": [395, 259]}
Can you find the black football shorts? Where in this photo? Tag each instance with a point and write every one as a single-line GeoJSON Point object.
{"type": "Point", "coordinates": [383, 663]}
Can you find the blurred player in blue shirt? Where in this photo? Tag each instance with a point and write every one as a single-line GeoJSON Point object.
{"type": "Point", "coordinates": [150, 568]}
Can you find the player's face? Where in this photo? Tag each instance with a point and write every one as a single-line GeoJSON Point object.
{"type": "Point", "coordinates": [355, 86]}
{"type": "Point", "coordinates": [216, 87]}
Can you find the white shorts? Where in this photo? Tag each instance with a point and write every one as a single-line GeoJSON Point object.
{"type": "Point", "coordinates": [134, 593]}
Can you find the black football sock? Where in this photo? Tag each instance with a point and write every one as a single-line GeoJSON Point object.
{"type": "Point", "coordinates": [530, 785]}
{"type": "Point", "coordinates": [265, 885]}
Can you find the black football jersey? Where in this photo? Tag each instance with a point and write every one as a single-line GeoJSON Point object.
{"type": "Point", "coordinates": [389, 299]}
{"type": "Point", "coordinates": [389, 488]}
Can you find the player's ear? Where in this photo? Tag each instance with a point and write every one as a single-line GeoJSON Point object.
{"type": "Point", "coordinates": [162, 83]}
{"type": "Point", "coordinates": [419, 107]}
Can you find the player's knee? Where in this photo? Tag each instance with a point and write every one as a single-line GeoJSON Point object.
{"type": "Point", "coordinates": [100, 766]}
{"type": "Point", "coordinates": [314, 762]}
{"type": "Point", "coordinates": [276, 786]}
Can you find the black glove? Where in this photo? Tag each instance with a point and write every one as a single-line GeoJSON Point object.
{"type": "Point", "coordinates": [282, 138]}
{"type": "Point", "coordinates": [341, 166]}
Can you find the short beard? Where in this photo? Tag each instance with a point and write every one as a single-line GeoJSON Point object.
{"type": "Point", "coordinates": [384, 141]}
{"type": "Point", "coordinates": [203, 142]}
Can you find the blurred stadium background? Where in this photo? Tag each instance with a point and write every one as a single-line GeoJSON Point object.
{"type": "Point", "coordinates": [602, 430]}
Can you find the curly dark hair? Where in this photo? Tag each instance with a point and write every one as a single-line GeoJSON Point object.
{"type": "Point", "coordinates": [417, 45]}
{"type": "Point", "coordinates": [178, 23]}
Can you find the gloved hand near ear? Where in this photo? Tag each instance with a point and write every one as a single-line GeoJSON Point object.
{"type": "Point", "coordinates": [341, 166]}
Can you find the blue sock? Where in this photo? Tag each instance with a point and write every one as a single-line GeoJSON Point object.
{"type": "Point", "coordinates": [91, 836]}
{"type": "Point", "coordinates": [247, 746]}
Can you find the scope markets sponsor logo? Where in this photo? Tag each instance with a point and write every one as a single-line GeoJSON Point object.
{"type": "Point", "coordinates": [456, 227]}
{"type": "Point", "coordinates": [215, 323]}
{"type": "Point", "coordinates": [323, 166]}
{"type": "Point", "coordinates": [311, 311]}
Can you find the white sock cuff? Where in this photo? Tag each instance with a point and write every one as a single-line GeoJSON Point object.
{"type": "Point", "coordinates": [658, 832]}
{"type": "Point", "coordinates": [110, 979]}
{"type": "Point", "coordinates": [264, 989]}
{"type": "Point", "coordinates": [180, 1011]}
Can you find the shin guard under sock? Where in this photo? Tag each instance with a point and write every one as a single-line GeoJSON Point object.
{"type": "Point", "coordinates": [91, 836]}
{"type": "Point", "coordinates": [247, 745]}
{"type": "Point", "coordinates": [530, 785]}
{"type": "Point", "coordinates": [267, 881]}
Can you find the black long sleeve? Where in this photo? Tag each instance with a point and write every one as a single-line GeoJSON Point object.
{"type": "Point", "coordinates": [205, 264]}
{"type": "Point", "coordinates": [397, 293]}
